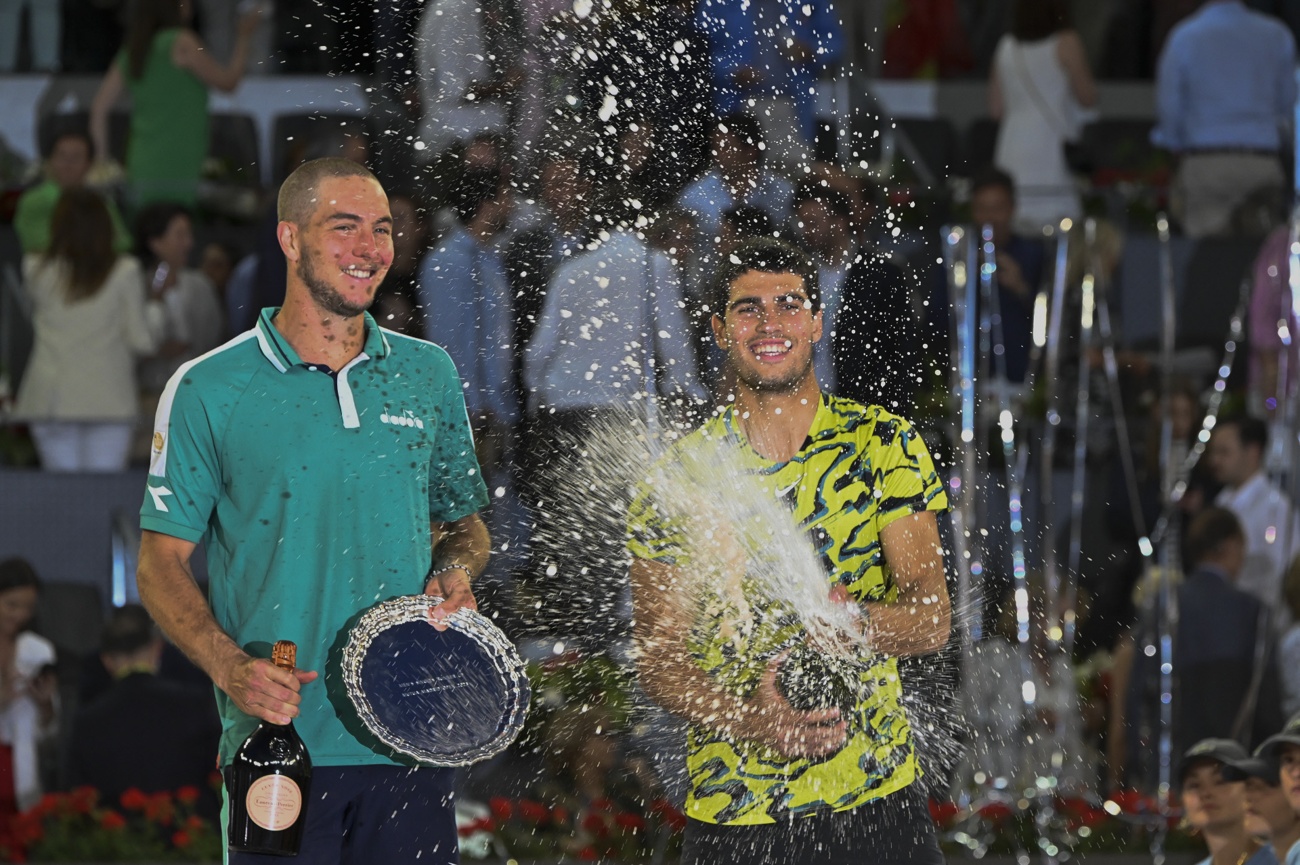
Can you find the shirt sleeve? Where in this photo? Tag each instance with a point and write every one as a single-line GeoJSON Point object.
{"type": "Point", "coordinates": [184, 480]}
{"type": "Point", "coordinates": [456, 487]}
{"type": "Point", "coordinates": [906, 480]}
{"type": "Point", "coordinates": [650, 535]}
{"type": "Point", "coordinates": [1169, 101]}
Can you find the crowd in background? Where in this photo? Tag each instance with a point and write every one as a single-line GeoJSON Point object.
{"type": "Point", "coordinates": [562, 187]}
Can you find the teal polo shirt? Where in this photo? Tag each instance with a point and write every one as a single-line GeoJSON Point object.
{"type": "Point", "coordinates": [312, 494]}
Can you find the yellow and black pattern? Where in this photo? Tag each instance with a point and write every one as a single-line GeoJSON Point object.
{"type": "Point", "coordinates": [860, 469]}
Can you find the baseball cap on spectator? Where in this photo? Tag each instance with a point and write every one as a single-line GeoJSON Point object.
{"type": "Point", "coordinates": [1225, 752]}
{"type": "Point", "coordinates": [1290, 735]}
{"type": "Point", "coordinates": [1251, 767]}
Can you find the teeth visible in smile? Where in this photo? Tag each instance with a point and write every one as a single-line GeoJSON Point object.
{"type": "Point", "coordinates": [771, 349]}
{"type": "Point", "coordinates": [358, 272]}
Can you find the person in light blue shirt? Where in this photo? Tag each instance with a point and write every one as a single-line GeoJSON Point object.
{"type": "Point", "coordinates": [1225, 92]}
{"type": "Point", "coordinates": [465, 297]}
{"type": "Point", "coordinates": [737, 177]}
{"type": "Point", "coordinates": [762, 49]}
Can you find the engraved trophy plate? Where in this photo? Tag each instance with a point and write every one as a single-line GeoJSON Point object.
{"type": "Point", "coordinates": [446, 698]}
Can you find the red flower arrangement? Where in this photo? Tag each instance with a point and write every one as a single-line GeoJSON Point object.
{"type": "Point", "coordinates": [1123, 823]}
{"type": "Point", "coordinates": [602, 830]}
{"type": "Point", "coordinates": [76, 827]}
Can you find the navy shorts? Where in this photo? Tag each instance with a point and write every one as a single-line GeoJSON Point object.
{"type": "Point", "coordinates": [893, 830]}
{"type": "Point", "coordinates": [360, 815]}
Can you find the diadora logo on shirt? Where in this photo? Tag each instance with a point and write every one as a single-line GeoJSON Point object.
{"type": "Point", "coordinates": [406, 418]}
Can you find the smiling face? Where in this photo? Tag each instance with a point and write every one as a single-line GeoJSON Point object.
{"type": "Point", "coordinates": [344, 250]}
{"type": "Point", "coordinates": [769, 330]}
{"type": "Point", "coordinates": [1211, 802]}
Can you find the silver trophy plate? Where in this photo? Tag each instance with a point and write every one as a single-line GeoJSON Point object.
{"type": "Point", "coordinates": [446, 698]}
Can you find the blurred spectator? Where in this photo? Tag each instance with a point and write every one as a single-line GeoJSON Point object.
{"type": "Point", "coordinates": [1020, 262]}
{"type": "Point", "coordinates": [737, 177]}
{"type": "Point", "coordinates": [167, 70]}
{"type": "Point", "coordinates": [1269, 814]}
{"type": "Point", "coordinates": [44, 33]}
{"type": "Point", "coordinates": [543, 22]}
{"type": "Point", "coordinates": [1039, 84]}
{"type": "Point", "coordinates": [145, 732]}
{"type": "Point", "coordinates": [611, 333]}
{"type": "Point", "coordinates": [1289, 645]}
{"type": "Point", "coordinates": [1236, 457]}
{"type": "Point", "coordinates": [1214, 797]}
{"type": "Point", "coordinates": [28, 689]}
{"type": "Point", "coordinates": [769, 53]}
{"type": "Point", "coordinates": [194, 324]}
{"type": "Point", "coordinates": [397, 302]}
{"type": "Point", "coordinates": [869, 351]}
{"type": "Point", "coordinates": [567, 192]}
{"type": "Point", "coordinates": [217, 262]}
{"type": "Point", "coordinates": [1225, 90]}
{"type": "Point", "coordinates": [1113, 610]}
{"type": "Point", "coordinates": [91, 320]}
{"type": "Point", "coordinates": [649, 86]}
{"type": "Point", "coordinates": [1270, 307]}
{"type": "Point", "coordinates": [465, 298]}
{"type": "Point", "coordinates": [66, 165]}
{"type": "Point", "coordinates": [465, 70]}
{"type": "Point", "coordinates": [1225, 689]}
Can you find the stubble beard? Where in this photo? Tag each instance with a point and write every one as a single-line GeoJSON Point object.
{"type": "Point", "coordinates": [759, 383]}
{"type": "Point", "coordinates": [325, 295]}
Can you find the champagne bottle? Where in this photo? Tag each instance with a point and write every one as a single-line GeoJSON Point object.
{"type": "Point", "coordinates": [809, 681]}
{"type": "Point", "coordinates": [269, 781]}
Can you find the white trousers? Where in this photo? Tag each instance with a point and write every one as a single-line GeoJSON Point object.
{"type": "Point", "coordinates": [83, 447]}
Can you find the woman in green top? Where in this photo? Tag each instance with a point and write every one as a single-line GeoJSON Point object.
{"type": "Point", "coordinates": [167, 70]}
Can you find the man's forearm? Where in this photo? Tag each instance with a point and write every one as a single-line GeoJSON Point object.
{"type": "Point", "coordinates": [170, 594]}
{"type": "Point", "coordinates": [464, 542]}
{"type": "Point", "coordinates": [917, 626]}
{"type": "Point", "coordinates": [671, 678]}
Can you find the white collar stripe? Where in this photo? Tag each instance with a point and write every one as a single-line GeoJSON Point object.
{"type": "Point", "coordinates": [347, 404]}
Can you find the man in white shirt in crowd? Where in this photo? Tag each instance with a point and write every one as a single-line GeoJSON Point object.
{"type": "Point", "coordinates": [1268, 517]}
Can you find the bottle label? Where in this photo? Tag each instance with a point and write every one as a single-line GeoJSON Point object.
{"type": "Point", "coordinates": [274, 802]}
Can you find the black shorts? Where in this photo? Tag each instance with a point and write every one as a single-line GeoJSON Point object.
{"type": "Point", "coordinates": [894, 830]}
{"type": "Point", "coordinates": [366, 815]}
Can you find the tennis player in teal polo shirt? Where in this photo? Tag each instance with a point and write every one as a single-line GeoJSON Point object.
{"type": "Point", "coordinates": [326, 465]}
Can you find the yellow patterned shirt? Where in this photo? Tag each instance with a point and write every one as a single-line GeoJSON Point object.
{"type": "Point", "coordinates": [860, 469]}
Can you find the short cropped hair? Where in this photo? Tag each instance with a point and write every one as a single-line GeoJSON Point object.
{"type": "Point", "coordinates": [765, 255]}
{"type": "Point", "coordinates": [1251, 430]}
{"type": "Point", "coordinates": [835, 201]}
{"type": "Point", "coordinates": [128, 630]}
{"type": "Point", "coordinates": [1212, 528]}
{"type": "Point", "coordinates": [297, 200]}
{"type": "Point", "coordinates": [993, 177]}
